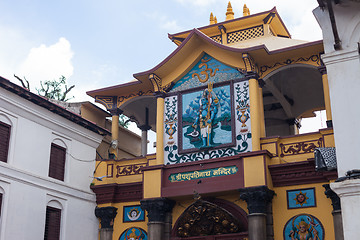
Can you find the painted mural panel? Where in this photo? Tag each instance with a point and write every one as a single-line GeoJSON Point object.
{"type": "Point", "coordinates": [206, 70]}
{"type": "Point", "coordinates": [133, 214]}
{"type": "Point", "coordinates": [304, 226]}
{"type": "Point", "coordinates": [301, 198]}
{"type": "Point", "coordinates": [213, 120]}
{"type": "Point", "coordinates": [133, 233]}
{"type": "Point", "coordinates": [242, 134]}
{"type": "Point", "coordinates": [206, 118]}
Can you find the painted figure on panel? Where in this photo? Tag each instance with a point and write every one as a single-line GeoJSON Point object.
{"type": "Point", "coordinates": [304, 227]}
{"type": "Point", "coordinates": [302, 232]}
{"type": "Point", "coordinates": [206, 118]}
{"type": "Point", "coordinates": [301, 198]}
{"type": "Point", "coordinates": [209, 104]}
{"type": "Point", "coordinates": [133, 233]}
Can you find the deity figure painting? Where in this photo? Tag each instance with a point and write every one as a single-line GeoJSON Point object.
{"type": "Point", "coordinates": [207, 118]}
{"type": "Point", "coordinates": [301, 198]}
{"type": "Point", "coordinates": [304, 227]}
{"type": "Point", "coordinates": [133, 233]}
{"type": "Point", "coordinates": [133, 214]}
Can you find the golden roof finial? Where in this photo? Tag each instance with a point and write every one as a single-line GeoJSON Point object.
{"type": "Point", "coordinates": [246, 11]}
{"type": "Point", "coordinates": [215, 19]}
{"type": "Point", "coordinates": [212, 21]}
{"type": "Point", "coordinates": [229, 12]}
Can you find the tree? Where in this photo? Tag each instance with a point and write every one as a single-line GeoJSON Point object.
{"type": "Point", "coordinates": [124, 121]}
{"type": "Point", "coordinates": [53, 89]}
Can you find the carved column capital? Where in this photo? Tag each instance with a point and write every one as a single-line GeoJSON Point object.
{"type": "Point", "coordinates": [115, 111]}
{"type": "Point", "coordinates": [257, 198]}
{"type": "Point", "coordinates": [335, 200]}
{"type": "Point", "coordinates": [106, 215]}
{"type": "Point", "coordinates": [252, 75]}
{"type": "Point", "coordinates": [159, 94]}
{"type": "Point", "coordinates": [145, 127]}
{"type": "Point", "coordinates": [322, 70]}
{"type": "Point", "coordinates": [157, 208]}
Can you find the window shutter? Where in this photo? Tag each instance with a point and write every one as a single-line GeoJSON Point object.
{"type": "Point", "coordinates": [52, 223]}
{"type": "Point", "coordinates": [57, 162]}
{"type": "Point", "coordinates": [4, 141]}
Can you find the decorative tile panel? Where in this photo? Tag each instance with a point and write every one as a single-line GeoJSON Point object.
{"type": "Point", "coordinates": [206, 70]}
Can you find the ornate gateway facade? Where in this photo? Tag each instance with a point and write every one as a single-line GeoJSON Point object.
{"type": "Point", "coordinates": [230, 163]}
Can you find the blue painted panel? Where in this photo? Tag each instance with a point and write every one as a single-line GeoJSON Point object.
{"type": "Point", "coordinates": [206, 70]}
{"type": "Point", "coordinates": [301, 198]}
{"type": "Point", "coordinates": [133, 214]}
{"type": "Point", "coordinates": [133, 233]}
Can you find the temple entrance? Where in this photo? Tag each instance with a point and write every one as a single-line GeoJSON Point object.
{"type": "Point", "coordinates": [211, 219]}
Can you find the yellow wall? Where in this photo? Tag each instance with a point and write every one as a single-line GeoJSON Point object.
{"type": "Point", "coordinates": [254, 171]}
{"type": "Point", "coordinates": [322, 211]}
{"type": "Point", "coordinates": [119, 225]}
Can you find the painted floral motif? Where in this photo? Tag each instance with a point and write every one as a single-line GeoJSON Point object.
{"type": "Point", "coordinates": [171, 118]}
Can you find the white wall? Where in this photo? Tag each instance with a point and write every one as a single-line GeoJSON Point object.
{"type": "Point", "coordinates": [24, 178]}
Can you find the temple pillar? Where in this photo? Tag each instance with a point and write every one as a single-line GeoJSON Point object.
{"type": "Point", "coordinates": [106, 216]}
{"type": "Point", "coordinates": [337, 217]}
{"type": "Point", "coordinates": [160, 127]}
{"type": "Point", "coordinates": [159, 213]}
{"type": "Point", "coordinates": [255, 115]}
{"type": "Point", "coordinates": [322, 70]}
{"type": "Point", "coordinates": [257, 199]}
{"type": "Point", "coordinates": [113, 152]}
{"type": "Point", "coordinates": [144, 139]}
{"type": "Point", "coordinates": [261, 109]}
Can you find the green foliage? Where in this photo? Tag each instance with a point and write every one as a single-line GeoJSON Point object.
{"type": "Point", "coordinates": [55, 89]}
{"type": "Point", "coordinates": [124, 121]}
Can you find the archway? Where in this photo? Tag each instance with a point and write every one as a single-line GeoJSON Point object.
{"type": "Point", "coordinates": [211, 219]}
{"type": "Point", "coordinates": [291, 93]}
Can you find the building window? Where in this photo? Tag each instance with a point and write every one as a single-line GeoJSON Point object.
{"type": "Point", "coordinates": [57, 162]}
{"type": "Point", "coordinates": [4, 141]}
{"type": "Point", "coordinates": [52, 223]}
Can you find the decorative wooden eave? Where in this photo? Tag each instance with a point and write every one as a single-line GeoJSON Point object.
{"type": "Point", "coordinates": [197, 43]}
{"type": "Point", "coordinates": [268, 17]}
{"type": "Point", "coordinates": [299, 173]}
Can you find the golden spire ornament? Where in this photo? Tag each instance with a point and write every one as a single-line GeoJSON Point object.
{"type": "Point", "coordinates": [229, 12]}
{"type": "Point", "coordinates": [246, 11]}
{"type": "Point", "coordinates": [212, 20]}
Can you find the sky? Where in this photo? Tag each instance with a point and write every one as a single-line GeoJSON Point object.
{"type": "Point", "coordinates": [97, 44]}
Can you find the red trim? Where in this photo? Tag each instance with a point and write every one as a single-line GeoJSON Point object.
{"type": "Point", "coordinates": [93, 92]}
{"type": "Point", "coordinates": [299, 173]}
{"type": "Point", "coordinates": [219, 45]}
{"type": "Point", "coordinates": [115, 193]}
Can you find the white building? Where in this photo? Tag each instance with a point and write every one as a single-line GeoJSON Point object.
{"type": "Point", "coordinates": [47, 161]}
{"type": "Point", "coordinates": [340, 23]}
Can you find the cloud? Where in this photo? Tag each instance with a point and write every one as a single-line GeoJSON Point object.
{"type": "Point", "coordinates": [47, 62]}
{"type": "Point", "coordinates": [199, 3]}
{"type": "Point", "coordinates": [164, 22]}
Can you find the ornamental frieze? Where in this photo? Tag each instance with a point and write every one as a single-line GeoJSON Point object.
{"type": "Point", "coordinates": [313, 58]}
{"type": "Point", "coordinates": [300, 147]}
{"type": "Point", "coordinates": [129, 170]}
